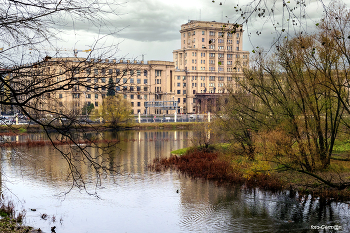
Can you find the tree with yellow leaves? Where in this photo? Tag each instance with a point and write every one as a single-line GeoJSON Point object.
{"type": "Point", "coordinates": [114, 110]}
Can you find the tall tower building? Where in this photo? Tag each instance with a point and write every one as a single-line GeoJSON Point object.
{"type": "Point", "coordinates": [210, 57]}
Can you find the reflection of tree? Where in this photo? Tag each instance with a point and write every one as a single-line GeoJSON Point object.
{"type": "Point", "coordinates": [230, 209]}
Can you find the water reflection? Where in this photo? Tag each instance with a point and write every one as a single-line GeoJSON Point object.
{"type": "Point", "coordinates": [138, 200]}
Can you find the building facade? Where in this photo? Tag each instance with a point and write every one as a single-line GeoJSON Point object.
{"type": "Point", "coordinates": [209, 62]}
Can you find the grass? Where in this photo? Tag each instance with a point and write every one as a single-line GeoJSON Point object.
{"type": "Point", "coordinates": [10, 220]}
{"type": "Point", "coordinates": [180, 151]}
{"type": "Point", "coordinates": [270, 176]}
{"type": "Point", "coordinates": [220, 146]}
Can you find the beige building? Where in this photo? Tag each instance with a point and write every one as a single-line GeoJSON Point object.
{"type": "Point", "coordinates": [209, 61]}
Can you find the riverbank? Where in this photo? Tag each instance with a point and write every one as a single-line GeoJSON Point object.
{"type": "Point", "coordinates": [217, 165]}
{"type": "Point", "coordinates": [17, 129]}
{"type": "Point", "coordinates": [12, 222]}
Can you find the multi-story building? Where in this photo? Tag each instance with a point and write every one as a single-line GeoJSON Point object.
{"type": "Point", "coordinates": [208, 63]}
{"type": "Point", "coordinates": [210, 58]}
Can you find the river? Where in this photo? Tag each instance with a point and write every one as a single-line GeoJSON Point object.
{"type": "Point", "coordinates": [139, 200]}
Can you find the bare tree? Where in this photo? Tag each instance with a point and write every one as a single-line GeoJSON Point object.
{"type": "Point", "coordinates": [299, 99]}
{"type": "Point", "coordinates": [31, 81]}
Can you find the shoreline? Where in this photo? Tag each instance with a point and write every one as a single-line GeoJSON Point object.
{"type": "Point", "coordinates": [213, 165]}
{"type": "Point", "coordinates": [18, 129]}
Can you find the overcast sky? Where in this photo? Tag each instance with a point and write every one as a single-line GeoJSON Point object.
{"type": "Point", "coordinates": [151, 27]}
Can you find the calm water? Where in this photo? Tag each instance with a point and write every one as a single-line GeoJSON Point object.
{"type": "Point", "coordinates": [139, 200]}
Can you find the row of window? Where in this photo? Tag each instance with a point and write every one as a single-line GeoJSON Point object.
{"type": "Point", "coordinates": [211, 33]}
{"type": "Point", "coordinates": [112, 71]}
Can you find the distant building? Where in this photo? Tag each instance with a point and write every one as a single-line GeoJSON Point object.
{"type": "Point", "coordinates": [208, 63]}
{"type": "Point", "coordinates": [210, 59]}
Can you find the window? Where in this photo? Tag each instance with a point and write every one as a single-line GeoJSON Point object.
{"type": "Point", "coordinates": [211, 47]}
{"type": "Point", "coordinates": [202, 39]}
{"type": "Point", "coordinates": [229, 78]}
{"type": "Point", "coordinates": [125, 80]}
{"type": "Point", "coordinates": [96, 104]}
{"type": "Point", "coordinates": [158, 73]}
{"type": "Point", "coordinates": [75, 96]}
{"type": "Point", "coordinates": [117, 88]}
{"type": "Point", "coordinates": [88, 96]}
{"type": "Point", "coordinates": [131, 72]}
{"type": "Point", "coordinates": [221, 78]}
{"type": "Point", "coordinates": [132, 104]}
{"type": "Point", "coordinates": [237, 35]}
{"type": "Point", "coordinates": [117, 80]}
{"type": "Point", "coordinates": [202, 54]}
{"type": "Point", "coordinates": [103, 88]}
{"type": "Point", "coordinates": [220, 55]}
{"type": "Point", "coordinates": [145, 88]}
{"type": "Point", "coordinates": [132, 97]}
{"type": "Point", "coordinates": [131, 88]}
{"type": "Point", "coordinates": [117, 72]}
{"type": "Point", "coordinates": [61, 96]}
{"type": "Point", "coordinates": [184, 92]}
{"type": "Point", "coordinates": [237, 55]}
{"type": "Point", "coordinates": [203, 32]}
{"type": "Point", "coordinates": [178, 92]}
{"type": "Point", "coordinates": [110, 71]}
{"type": "Point", "coordinates": [184, 100]}
{"type": "Point", "coordinates": [103, 96]}
{"type": "Point", "coordinates": [179, 84]}
{"type": "Point", "coordinates": [95, 80]}
{"type": "Point", "coordinates": [145, 81]}
{"type": "Point", "coordinates": [221, 47]}
{"type": "Point", "coordinates": [211, 78]}
{"type": "Point", "coordinates": [103, 71]}
{"type": "Point", "coordinates": [211, 54]}
{"type": "Point", "coordinates": [145, 97]}
{"type": "Point", "coordinates": [237, 48]}
{"type": "Point", "coordinates": [212, 68]}
{"type": "Point", "coordinates": [131, 80]}
{"type": "Point", "coordinates": [96, 96]}
{"type": "Point", "coordinates": [229, 62]}
{"type": "Point", "coordinates": [178, 78]}
{"type": "Point", "coordinates": [88, 80]}
{"type": "Point", "coordinates": [88, 70]}
{"type": "Point", "coordinates": [221, 34]}
{"type": "Point", "coordinates": [183, 84]}
{"type": "Point", "coordinates": [88, 89]}
{"type": "Point", "coordinates": [103, 80]}
{"type": "Point", "coordinates": [138, 73]}
{"type": "Point", "coordinates": [138, 88]}
{"type": "Point", "coordinates": [211, 33]}
{"type": "Point", "coordinates": [95, 71]}
{"type": "Point", "coordinates": [229, 56]}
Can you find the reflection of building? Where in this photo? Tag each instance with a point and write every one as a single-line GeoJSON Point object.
{"type": "Point", "coordinates": [209, 61]}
